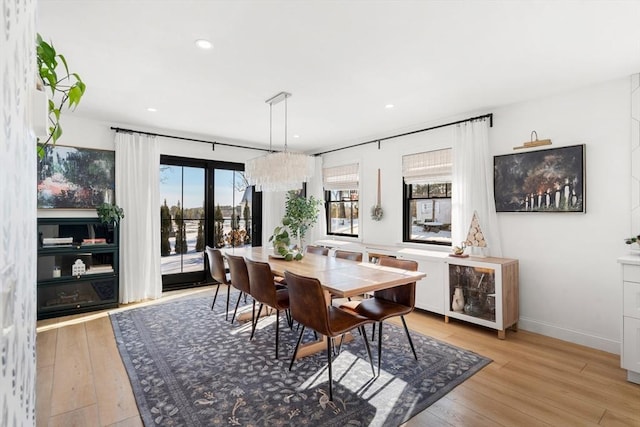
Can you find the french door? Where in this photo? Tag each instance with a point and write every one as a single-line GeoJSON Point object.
{"type": "Point", "coordinates": [203, 202]}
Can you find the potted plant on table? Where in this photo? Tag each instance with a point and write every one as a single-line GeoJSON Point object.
{"type": "Point", "coordinates": [301, 214]}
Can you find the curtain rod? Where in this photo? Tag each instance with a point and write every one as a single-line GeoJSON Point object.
{"type": "Point", "coordinates": [378, 140]}
{"type": "Point", "coordinates": [189, 139]}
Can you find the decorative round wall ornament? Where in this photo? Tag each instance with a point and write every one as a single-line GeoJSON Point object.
{"type": "Point", "coordinates": [376, 213]}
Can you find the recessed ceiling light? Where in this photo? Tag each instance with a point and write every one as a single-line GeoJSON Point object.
{"type": "Point", "coordinates": [204, 44]}
{"type": "Point", "coordinates": [153, 110]}
{"type": "Point", "coordinates": [389, 106]}
{"type": "Point", "coordinates": [296, 136]}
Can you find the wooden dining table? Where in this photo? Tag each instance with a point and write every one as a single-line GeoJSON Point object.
{"type": "Point", "coordinates": [339, 277]}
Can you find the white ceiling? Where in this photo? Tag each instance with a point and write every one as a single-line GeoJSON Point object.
{"type": "Point", "coordinates": [343, 61]}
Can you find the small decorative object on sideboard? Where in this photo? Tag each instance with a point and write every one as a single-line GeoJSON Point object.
{"type": "Point", "coordinates": [457, 303]}
{"type": "Point", "coordinates": [458, 251]}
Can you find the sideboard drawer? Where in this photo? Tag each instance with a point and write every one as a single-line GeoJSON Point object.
{"type": "Point", "coordinates": [631, 273]}
{"type": "Point", "coordinates": [631, 300]}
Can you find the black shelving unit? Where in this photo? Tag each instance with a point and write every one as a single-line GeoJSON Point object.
{"type": "Point", "coordinates": [93, 248]}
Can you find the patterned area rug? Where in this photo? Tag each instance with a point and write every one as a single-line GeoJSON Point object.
{"type": "Point", "coordinates": [190, 367]}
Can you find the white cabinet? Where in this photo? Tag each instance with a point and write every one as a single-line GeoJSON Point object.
{"type": "Point", "coordinates": [429, 290]}
{"type": "Point", "coordinates": [630, 352]}
{"type": "Point", "coordinates": [489, 291]}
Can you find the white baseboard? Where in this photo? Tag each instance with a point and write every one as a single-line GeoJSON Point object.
{"type": "Point", "coordinates": [576, 337]}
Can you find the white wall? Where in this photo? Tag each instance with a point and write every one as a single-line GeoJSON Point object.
{"type": "Point", "coordinates": [568, 272]}
{"type": "Point", "coordinates": [569, 279]}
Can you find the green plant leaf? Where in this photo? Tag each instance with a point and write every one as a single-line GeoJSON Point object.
{"type": "Point", "coordinates": [64, 62]}
{"type": "Point", "coordinates": [57, 133]}
{"type": "Point", "coordinates": [75, 93]}
{"type": "Point", "coordinates": [42, 151]}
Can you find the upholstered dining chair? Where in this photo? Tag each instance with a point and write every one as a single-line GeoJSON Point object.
{"type": "Point", "coordinates": [320, 250]}
{"type": "Point", "coordinates": [308, 306]}
{"type": "Point", "coordinates": [265, 291]}
{"type": "Point", "coordinates": [240, 281]}
{"type": "Point", "coordinates": [219, 274]}
{"type": "Point", "coordinates": [386, 303]}
{"type": "Point", "coordinates": [353, 256]}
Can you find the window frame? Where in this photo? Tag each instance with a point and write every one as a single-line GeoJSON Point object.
{"type": "Point", "coordinates": [407, 223]}
{"type": "Point", "coordinates": [327, 204]}
{"type": "Point", "coordinates": [196, 278]}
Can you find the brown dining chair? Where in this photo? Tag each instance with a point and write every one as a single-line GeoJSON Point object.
{"type": "Point", "coordinates": [353, 256]}
{"type": "Point", "coordinates": [219, 274]}
{"type": "Point", "coordinates": [264, 290]}
{"type": "Point", "coordinates": [386, 303]}
{"type": "Point", "coordinates": [309, 307]}
{"type": "Point", "coordinates": [320, 250]}
{"type": "Point", "coordinates": [240, 281]}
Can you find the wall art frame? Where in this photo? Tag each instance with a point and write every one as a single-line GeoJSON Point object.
{"type": "Point", "coordinates": [550, 180]}
{"type": "Point", "coordinates": [75, 178]}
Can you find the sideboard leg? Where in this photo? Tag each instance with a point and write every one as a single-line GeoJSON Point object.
{"type": "Point", "coordinates": [446, 319]}
{"type": "Point", "coordinates": [501, 334]}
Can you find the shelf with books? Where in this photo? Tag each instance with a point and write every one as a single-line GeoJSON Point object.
{"type": "Point", "coordinates": [77, 266]}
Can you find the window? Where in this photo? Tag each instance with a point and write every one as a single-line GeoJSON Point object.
{"type": "Point", "coordinates": [427, 197]}
{"type": "Point", "coordinates": [342, 212]}
{"type": "Point", "coordinates": [341, 196]}
{"type": "Point", "coordinates": [203, 202]}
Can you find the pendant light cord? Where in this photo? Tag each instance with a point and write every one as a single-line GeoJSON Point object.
{"type": "Point", "coordinates": [270, 128]}
{"type": "Point", "coordinates": [285, 123]}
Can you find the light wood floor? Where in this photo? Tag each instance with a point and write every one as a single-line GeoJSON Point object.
{"type": "Point", "coordinates": [533, 380]}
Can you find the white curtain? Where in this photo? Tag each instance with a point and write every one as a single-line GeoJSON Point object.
{"type": "Point", "coordinates": [472, 185]}
{"type": "Point", "coordinates": [314, 188]}
{"type": "Point", "coordinates": [273, 209]}
{"type": "Point", "coordinates": [138, 193]}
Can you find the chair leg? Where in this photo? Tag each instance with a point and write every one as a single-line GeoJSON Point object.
{"type": "Point", "coordinates": [366, 344]}
{"type": "Point", "coordinates": [253, 313]}
{"type": "Point", "coordinates": [295, 350]}
{"type": "Point", "coordinates": [254, 324]}
{"type": "Point", "coordinates": [373, 331]}
{"type": "Point", "coordinates": [236, 309]}
{"type": "Point", "coordinates": [287, 313]}
{"type": "Point", "coordinates": [277, 330]}
{"type": "Point", "coordinates": [226, 314]}
{"type": "Point", "coordinates": [215, 296]}
{"type": "Point", "coordinates": [409, 336]}
{"type": "Point", "coordinates": [329, 361]}
{"type": "Point", "coordinates": [379, 347]}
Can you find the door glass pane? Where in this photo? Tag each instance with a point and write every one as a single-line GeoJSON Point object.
{"type": "Point", "coordinates": [233, 210]}
{"type": "Point", "coordinates": [182, 192]}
